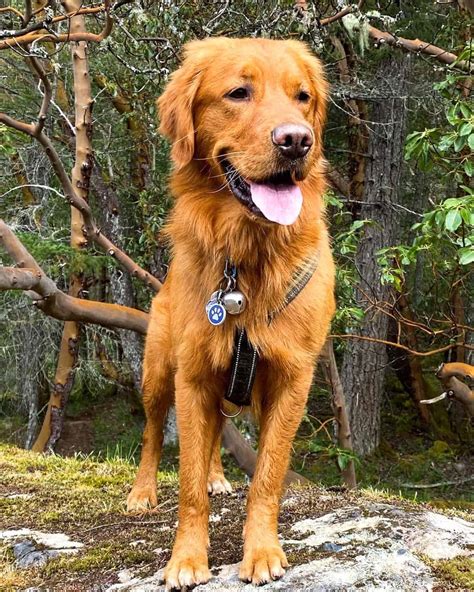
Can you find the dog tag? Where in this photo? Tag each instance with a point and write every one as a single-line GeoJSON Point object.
{"type": "Point", "coordinates": [234, 302]}
{"type": "Point", "coordinates": [215, 310]}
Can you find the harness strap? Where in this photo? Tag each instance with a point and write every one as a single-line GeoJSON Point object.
{"type": "Point", "coordinates": [244, 367]}
{"type": "Point", "coordinates": [300, 278]}
{"type": "Point", "coordinates": [245, 356]}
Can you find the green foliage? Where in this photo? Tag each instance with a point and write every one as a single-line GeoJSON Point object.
{"type": "Point", "coordinates": [342, 456]}
{"type": "Point", "coordinates": [57, 254]}
{"type": "Point", "coordinates": [445, 233]}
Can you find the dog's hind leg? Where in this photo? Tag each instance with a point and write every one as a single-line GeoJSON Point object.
{"type": "Point", "coordinates": [157, 398]}
{"type": "Point", "coordinates": [216, 481]}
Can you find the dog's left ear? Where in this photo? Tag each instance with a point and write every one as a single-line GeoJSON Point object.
{"type": "Point", "coordinates": [175, 108]}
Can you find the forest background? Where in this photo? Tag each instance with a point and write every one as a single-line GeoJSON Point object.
{"type": "Point", "coordinates": [83, 195]}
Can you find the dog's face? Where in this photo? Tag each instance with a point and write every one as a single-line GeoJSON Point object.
{"type": "Point", "coordinates": [252, 112]}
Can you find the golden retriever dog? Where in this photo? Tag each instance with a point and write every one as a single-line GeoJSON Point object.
{"type": "Point", "coordinates": [245, 118]}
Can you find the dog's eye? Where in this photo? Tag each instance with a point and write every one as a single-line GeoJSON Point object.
{"type": "Point", "coordinates": [303, 96]}
{"type": "Point", "coordinates": [239, 94]}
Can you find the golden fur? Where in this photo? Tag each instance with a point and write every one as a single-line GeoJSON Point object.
{"type": "Point", "coordinates": [188, 358]}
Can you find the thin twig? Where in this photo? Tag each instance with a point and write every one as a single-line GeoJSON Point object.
{"type": "Point", "coordinates": [440, 484]}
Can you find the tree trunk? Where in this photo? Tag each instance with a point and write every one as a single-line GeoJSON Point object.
{"type": "Point", "coordinates": [363, 369]}
{"type": "Point", "coordinates": [417, 384]}
{"type": "Point", "coordinates": [343, 429]}
{"type": "Point", "coordinates": [121, 286]}
{"type": "Point", "coordinates": [67, 359]}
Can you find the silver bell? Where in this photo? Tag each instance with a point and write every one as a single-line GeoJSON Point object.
{"type": "Point", "coordinates": [234, 302]}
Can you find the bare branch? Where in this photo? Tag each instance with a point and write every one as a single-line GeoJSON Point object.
{"type": "Point", "coordinates": [12, 278]}
{"type": "Point", "coordinates": [32, 37]}
{"type": "Point", "coordinates": [52, 301]}
{"type": "Point", "coordinates": [90, 229]}
{"type": "Point", "coordinates": [47, 22]}
{"type": "Point", "coordinates": [400, 346]}
{"type": "Point", "coordinates": [416, 46]}
{"type": "Point", "coordinates": [457, 369]}
{"type": "Point", "coordinates": [12, 10]}
{"type": "Point", "coordinates": [412, 45]}
{"type": "Point", "coordinates": [47, 96]}
{"type": "Point", "coordinates": [327, 361]}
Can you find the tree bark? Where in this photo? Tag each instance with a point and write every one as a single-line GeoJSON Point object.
{"type": "Point", "coordinates": [338, 404]}
{"type": "Point", "coordinates": [68, 351]}
{"type": "Point", "coordinates": [363, 368]}
{"type": "Point", "coordinates": [417, 384]}
{"type": "Point", "coordinates": [121, 286]}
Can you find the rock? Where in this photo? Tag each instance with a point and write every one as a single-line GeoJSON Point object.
{"type": "Point", "coordinates": [27, 554]}
{"type": "Point", "coordinates": [17, 496]}
{"type": "Point", "coordinates": [371, 546]}
{"type": "Point", "coordinates": [125, 576]}
{"type": "Point", "coordinates": [53, 540]}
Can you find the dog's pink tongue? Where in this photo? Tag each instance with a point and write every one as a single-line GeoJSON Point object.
{"type": "Point", "coordinates": [280, 204]}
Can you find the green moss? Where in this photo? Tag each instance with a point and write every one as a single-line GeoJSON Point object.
{"type": "Point", "coordinates": [439, 450]}
{"type": "Point", "coordinates": [458, 572]}
{"type": "Point", "coordinates": [102, 557]}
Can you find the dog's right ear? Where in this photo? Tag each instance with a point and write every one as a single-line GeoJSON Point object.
{"type": "Point", "coordinates": [175, 108]}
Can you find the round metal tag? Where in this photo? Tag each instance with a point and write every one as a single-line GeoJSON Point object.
{"type": "Point", "coordinates": [216, 313]}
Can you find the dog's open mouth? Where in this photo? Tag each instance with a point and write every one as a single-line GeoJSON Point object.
{"type": "Point", "coordinates": [277, 199]}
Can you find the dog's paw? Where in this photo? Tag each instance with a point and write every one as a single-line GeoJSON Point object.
{"type": "Point", "coordinates": [261, 565]}
{"type": "Point", "coordinates": [218, 484]}
{"type": "Point", "coordinates": [142, 499]}
{"type": "Point", "coordinates": [186, 570]}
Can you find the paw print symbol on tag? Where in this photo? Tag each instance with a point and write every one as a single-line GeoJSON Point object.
{"type": "Point", "coordinates": [216, 313]}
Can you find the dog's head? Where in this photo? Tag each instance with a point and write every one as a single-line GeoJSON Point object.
{"type": "Point", "coordinates": [252, 111]}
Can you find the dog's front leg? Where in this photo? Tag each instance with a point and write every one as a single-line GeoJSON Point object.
{"type": "Point", "coordinates": [264, 559]}
{"type": "Point", "coordinates": [199, 423]}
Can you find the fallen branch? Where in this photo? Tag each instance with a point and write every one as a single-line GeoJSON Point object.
{"type": "Point", "coordinates": [246, 457]}
{"type": "Point", "coordinates": [432, 485]}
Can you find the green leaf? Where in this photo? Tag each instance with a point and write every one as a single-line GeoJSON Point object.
{"type": "Point", "coordinates": [459, 143]}
{"type": "Point", "coordinates": [469, 168]}
{"type": "Point", "coordinates": [468, 216]}
{"type": "Point", "coordinates": [453, 220]}
{"type": "Point", "coordinates": [451, 115]}
{"type": "Point", "coordinates": [466, 255]}
{"type": "Point", "coordinates": [342, 461]}
{"type": "Point", "coordinates": [465, 110]}
{"type": "Point", "coordinates": [470, 141]}
{"type": "Point", "coordinates": [465, 129]}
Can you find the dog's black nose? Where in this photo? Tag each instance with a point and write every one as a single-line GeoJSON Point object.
{"type": "Point", "coordinates": [293, 140]}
